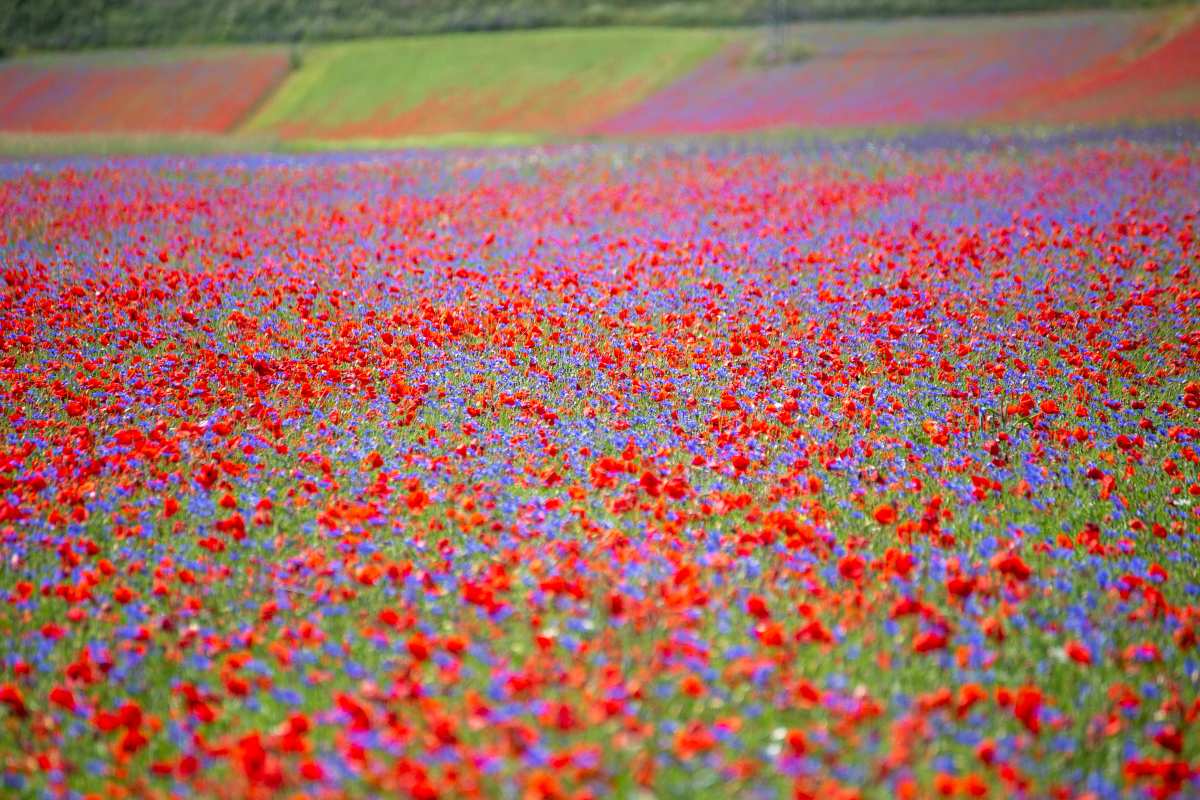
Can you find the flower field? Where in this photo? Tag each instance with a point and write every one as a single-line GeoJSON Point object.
{"type": "Point", "coordinates": [827, 470]}
{"type": "Point", "coordinates": [1158, 78]}
{"type": "Point", "coordinates": [137, 92]}
{"type": "Point", "coordinates": [1092, 67]}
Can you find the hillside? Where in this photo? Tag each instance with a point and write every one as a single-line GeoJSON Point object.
{"type": "Point", "coordinates": [1094, 67]}
{"type": "Point", "coordinates": [520, 87]}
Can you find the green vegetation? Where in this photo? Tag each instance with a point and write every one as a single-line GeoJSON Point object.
{"type": "Point", "coordinates": [29, 145]}
{"type": "Point", "coordinates": [520, 78]}
{"type": "Point", "coordinates": [74, 24]}
{"type": "Point", "coordinates": [42, 145]}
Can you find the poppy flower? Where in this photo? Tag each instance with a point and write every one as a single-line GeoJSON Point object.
{"type": "Point", "coordinates": [11, 697]}
{"type": "Point", "coordinates": [885, 514]}
{"type": "Point", "coordinates": [1078, 653]}
{"type": "Point", "coordinates": [851, 567]}
{"type": "Point", "coordinates": [63, 697]}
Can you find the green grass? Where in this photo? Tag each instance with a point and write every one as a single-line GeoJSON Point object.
{"type": "Point", "coordinates": [31, 145]}
{"type": "Point", "coordinates": [352, 82]}
{"type": "Point", "coordinates": [466, 139]}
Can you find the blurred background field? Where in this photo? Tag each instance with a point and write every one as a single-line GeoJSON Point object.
{"type": "Point", "coordinates": [556, 81]}
{"type": "Point", "coordinates": [140, 76]}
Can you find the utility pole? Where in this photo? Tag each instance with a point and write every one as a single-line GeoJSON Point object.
{"type": "Point", "coordinates": [777, 18]}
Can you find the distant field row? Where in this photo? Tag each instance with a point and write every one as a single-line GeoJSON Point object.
{"type": "Point", "coordinates": [520, 86]}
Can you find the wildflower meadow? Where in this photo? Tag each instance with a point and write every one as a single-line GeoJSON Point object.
{"type": "Point", "coordinates": [839, 469]}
